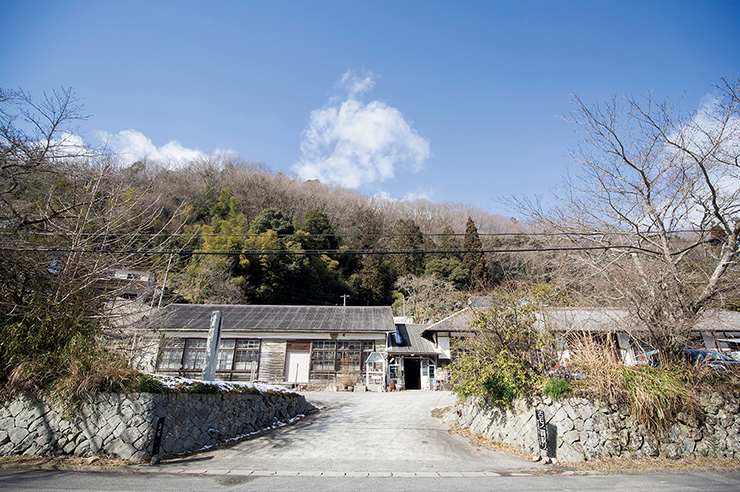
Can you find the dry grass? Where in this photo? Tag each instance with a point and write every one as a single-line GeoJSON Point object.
{"type": "Point", "coordinates": [649, 465]}
{"type": "Point", "coordinates": [347, 379]}
{"type": "Point", "coordinates": [440, 412]}
{"type": "Point", "coordinates": [655, 395]}
{"type": "Point", "coordinates": [59, 461]}
{"type": "Point", "coordinates": [480, 441]}
{"type": "Point", "coordinates": [74, 378]}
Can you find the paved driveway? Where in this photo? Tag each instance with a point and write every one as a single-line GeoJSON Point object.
{"type": "Point", "coordinates": [361, 432]}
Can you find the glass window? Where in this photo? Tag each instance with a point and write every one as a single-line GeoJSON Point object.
{"type": "Point", "coordinates": [170, 356]}
{"type": "Point", "coordinates": [323, 357]}
{"type": "Point", "coordinates": [226, 354]}
{"type": "Point", "coordinates": [194, 358]}
{"type": "Point", "coordinates": [349, 356]}
{"type": "Point", "coordinates": [247, 355]}
{"type": "Point", "coordinates": [346, 356]}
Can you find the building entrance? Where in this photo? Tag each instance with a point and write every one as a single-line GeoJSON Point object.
{"type": "Point", "coordinates": [412, 374]}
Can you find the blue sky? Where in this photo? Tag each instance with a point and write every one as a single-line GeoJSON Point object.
{"type": "Point", "coordinates": [451, 101]}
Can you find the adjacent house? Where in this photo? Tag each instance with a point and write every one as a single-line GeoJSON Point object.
{"type": "Point", "coordinates": [717, 330]}
{"type": "Point", "coordinates": [714, 330]}
{"type": "Point", "coordinates": [298, 345]}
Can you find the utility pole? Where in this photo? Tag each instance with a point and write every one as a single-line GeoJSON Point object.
{"type": "Point", "coordinates": [164, 284]}
{"type": "Point", "coordinates": [344, 299]}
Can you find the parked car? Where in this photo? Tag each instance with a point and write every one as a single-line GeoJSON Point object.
{"type": "Point", "coordinates": [712, 359]}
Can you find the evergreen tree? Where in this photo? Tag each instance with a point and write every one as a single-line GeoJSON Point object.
{"type": "Point", "coordinates": [449, 243]}
{"type": "Point", "coordinates": [318, 226]}
{"type": "Point", "coordinates": [274, 220]}
{"type": "Point", "coordinates": [374, 281]}
{"type": "Point", "coordinates": [473, 259]}
{"type": "Point", "coordinates": [408, 237]}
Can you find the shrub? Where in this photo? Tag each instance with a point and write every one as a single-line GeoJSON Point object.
{"type": "Point", "coordinates": [149, 384]}
{"type": "Point", "coordinates": [557, 388]}
{"type": "Point", "coordinates": [203, 388]}
{"type": "Point", "coordinates": [498, 390]}
{"type": "Point", "coordinates": [506, 355]}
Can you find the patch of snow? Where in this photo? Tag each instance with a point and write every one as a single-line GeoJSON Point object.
{"type": "Point", "coordinates": [180, 383]}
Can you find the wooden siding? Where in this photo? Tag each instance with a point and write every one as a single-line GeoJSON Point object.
{"type": "Point", "coordinates": [381, 344]}
{"type": "Point", "coordinates": [272, 360]}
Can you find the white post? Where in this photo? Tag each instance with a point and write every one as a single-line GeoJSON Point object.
{"type": "Point", "coordinates": [214, 335]}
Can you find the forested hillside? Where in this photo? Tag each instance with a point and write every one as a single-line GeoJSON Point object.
{"type": "Point", "coordinates": [243, 234]}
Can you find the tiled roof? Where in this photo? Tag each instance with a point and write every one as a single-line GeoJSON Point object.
{"type": "Point", "coordinates": [593, 320]}
{"type": "Point", "coordinates": [411, 341]}
{"type": "Point", "coordinates": [459, 321]}
{"type": "Point", "coordinates": [616, 319]}
{"type": "Point", "coordinates": [586, 319]}
{"type": "Point", "coordinates": [258, 318]}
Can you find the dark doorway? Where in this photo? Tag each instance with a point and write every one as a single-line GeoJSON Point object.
{"type": "Point", "coordinates": [412, 373]}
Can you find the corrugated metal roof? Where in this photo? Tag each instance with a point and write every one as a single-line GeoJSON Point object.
{"type": "Point", "coordinates": [259, 318]}
{"type": "Point", "coordinates": [412, 341]}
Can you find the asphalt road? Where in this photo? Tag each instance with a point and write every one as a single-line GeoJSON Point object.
{"type": "Point", "coordinates": [66, 481]}
{"type": "Point", "coordinates": [359, 442]}
{"type": "Point", "coordinates": [361, 432]}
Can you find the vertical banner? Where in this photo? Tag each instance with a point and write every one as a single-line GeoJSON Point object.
{"type": "Point", "coordinates": [541, 428]}
{"type": "Point", "coordinates": [158, 432]}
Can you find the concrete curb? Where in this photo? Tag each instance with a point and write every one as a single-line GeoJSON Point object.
{"type": "Point", "coordinates": [177, 470]}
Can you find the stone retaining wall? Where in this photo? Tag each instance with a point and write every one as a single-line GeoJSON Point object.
{"type": "Point", "coordinates": [123, 426]}
{"type": "Point", "coordinates": [580, 429]}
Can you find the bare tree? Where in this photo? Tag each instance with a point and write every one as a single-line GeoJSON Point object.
{"type": "Point", "coordinates": [67, 220]}
{"type": "Point", "coordinates": [427, 299]}
{"type": "Point", "coordinates": [653, 208]}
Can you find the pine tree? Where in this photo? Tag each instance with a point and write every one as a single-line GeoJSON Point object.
{"type": "Point", "coordinates": [473, 259]}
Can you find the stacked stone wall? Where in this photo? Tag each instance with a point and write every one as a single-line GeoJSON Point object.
{"type": "Point", "coordinates": [580, 429]}
{"type": "Point", "coordinates": [123, 426]}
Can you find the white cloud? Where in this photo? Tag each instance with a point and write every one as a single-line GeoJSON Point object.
{"type": "Point", "coordinates": [714, 134]}
{"type": "Point", "coordinates": [68, 146]}
{"type": "Point", "coordinates": [418, 195]}
{"type": "Point", "coordinates": [131, 146]}
{"type": "Point", "coordinates": [351, 143]}
{"type": "Point", "coordinates": [384, 196]}
{"type": "Point", "coordinates": [356, 86]}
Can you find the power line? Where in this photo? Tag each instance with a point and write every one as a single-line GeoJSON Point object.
{"type": "Point", "coordinates": [315, 252]}
{"type": "Point", "coordinates": [338, 235]}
